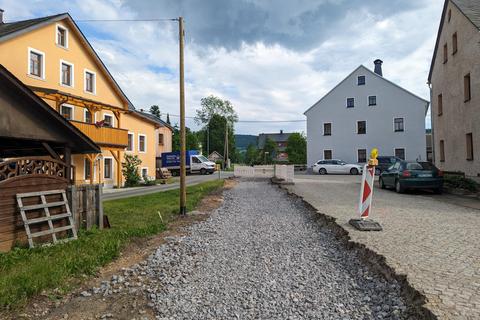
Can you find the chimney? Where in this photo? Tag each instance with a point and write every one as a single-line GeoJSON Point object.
{"type": "Point", "coordinates": [378, 67]}
{"type": "Point", "coordinates": [1, 16]}
{"type": "Point", "coordinates": [281, 131]}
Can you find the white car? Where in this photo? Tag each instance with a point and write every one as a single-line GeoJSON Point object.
{"type": "Point", "coordinates": [336, 166]}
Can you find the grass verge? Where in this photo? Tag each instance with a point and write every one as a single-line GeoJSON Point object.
{"type": "Point", "coordinates": [27, 272]}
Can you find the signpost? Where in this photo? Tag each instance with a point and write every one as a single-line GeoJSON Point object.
{"type": "Point", "coordinates": [366, 194]}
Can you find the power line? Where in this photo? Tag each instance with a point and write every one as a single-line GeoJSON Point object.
{"type": "Point", "coordinates": [249, 121]}
{"type": "Point", "coordinates": [126, 20]}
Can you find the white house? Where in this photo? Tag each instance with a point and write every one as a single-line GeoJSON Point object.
{"type": "Point", "coordinates": [366, 111]}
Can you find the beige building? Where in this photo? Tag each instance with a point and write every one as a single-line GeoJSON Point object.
{"type": "Point", "coordinates": [454, 80]}
{"type": "Point", "coordinates": [55, 60]}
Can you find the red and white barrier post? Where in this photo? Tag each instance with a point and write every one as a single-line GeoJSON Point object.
{"type": "Point", "coordinates": [366, 195]}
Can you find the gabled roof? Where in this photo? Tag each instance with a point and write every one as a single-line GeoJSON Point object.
{"type": "Point", "coordinates": [15, 29]}
{"type": "Point", "coordinates": [470, 9]}
{"type": "Point", "coordinates": [79, 142]}
{"type": "Point", "coordinates": [152, 118]}
{"type": "Point", "coordinates": [275, 137]}
{"type": "Point", "coordinates": [374, 74]}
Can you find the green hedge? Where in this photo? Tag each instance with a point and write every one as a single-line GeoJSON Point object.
{"type": "Point", "coordinates": [459, 182]}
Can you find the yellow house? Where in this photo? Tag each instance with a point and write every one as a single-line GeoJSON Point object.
{"type": "Point", "coordinates": [53, 58]}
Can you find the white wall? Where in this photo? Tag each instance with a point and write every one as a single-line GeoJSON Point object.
{"type": "Point", "coordinates": [392, 102]}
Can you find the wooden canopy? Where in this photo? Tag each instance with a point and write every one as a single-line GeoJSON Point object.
{"type": "Point", "coordinates": [30, 127]}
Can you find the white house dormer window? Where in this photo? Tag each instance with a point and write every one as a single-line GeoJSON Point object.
{"type": "Point", "coordinates": [62, 36]}
{"type": "Point", "coordinates": [66, 73]}
{"type": "Point", "coordinates": [361, 80]}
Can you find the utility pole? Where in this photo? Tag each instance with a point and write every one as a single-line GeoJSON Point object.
{"type": "Point", "coordinates": [183, 193]}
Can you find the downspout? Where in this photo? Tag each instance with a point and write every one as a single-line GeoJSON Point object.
{"type": "Point", "coordinates": [431, 122]}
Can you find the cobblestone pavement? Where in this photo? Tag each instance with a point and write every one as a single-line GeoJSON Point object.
{"type": "Point", "coordinates": [435, 243]}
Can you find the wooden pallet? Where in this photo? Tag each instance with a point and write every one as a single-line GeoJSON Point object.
{"type": "Point", "coordinates": [48, 218]}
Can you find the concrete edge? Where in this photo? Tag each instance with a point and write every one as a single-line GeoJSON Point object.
{"type": "Point", "coordinates": [377, 262]}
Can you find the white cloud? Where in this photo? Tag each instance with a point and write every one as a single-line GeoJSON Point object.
{"type": "Point", "coordinates": [263, 81]}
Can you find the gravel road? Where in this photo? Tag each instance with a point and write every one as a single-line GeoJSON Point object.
{"type": "Point", "coordinates": [261, 256]}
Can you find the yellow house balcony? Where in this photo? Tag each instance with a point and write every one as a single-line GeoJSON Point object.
{"type": "Point", "coordinates": [104, 136]}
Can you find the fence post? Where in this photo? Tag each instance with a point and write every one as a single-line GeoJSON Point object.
{"type": "Point", "coordinates": [99, 205]}
{"type": "Point", "coordinates": [72, 195]}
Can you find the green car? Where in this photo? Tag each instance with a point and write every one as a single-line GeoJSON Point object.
{"type": "Point", "coordinates": [405, 175]}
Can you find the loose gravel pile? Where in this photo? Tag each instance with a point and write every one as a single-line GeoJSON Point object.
{"type": "Point", "coordinates": [260, 256]}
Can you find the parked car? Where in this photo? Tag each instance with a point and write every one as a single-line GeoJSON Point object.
{"type": "Point", "coordinates": [405, 175]}
{"type": "Point", "coordinates": [336, 166]}
{"type": "Point", "coordinates": [385, 162]}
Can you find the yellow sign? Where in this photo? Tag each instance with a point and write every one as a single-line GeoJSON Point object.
{"type": "Point", "coordinates": [373, 157]}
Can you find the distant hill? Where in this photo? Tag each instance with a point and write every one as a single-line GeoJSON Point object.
{"type": "Point", "coordinates": [243, 140]}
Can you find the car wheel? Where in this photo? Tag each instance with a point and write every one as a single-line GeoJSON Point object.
{"type": "Point", "coordinates": [381, 183]}
{"type": "Point", "coordinates": [378, 172]}
{"type": "Point", "coordinates": [322, 171]}
{"type": "Point", "coordinates": [203, 171]}
{"type": "Point", "coordinates": [354, 171]}
{"type": "Point", "coordinates": [398, 187]}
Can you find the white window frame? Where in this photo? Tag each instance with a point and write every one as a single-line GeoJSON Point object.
{"type": "Point", "coordinates": [72, 107]}
{"type": "Point", "coordinates": [331, 150]}
{"type": "Point", "coordinates": [59, 26]}
{"type": "Point", "coordinates": [113, 168]}
{"type": "Point", "coordinates": [356, 127]}
{"type": "Point", "coordinates": [133, 141]}
{"type": "Point", "coordinates": [368, 100]}
{"type": "Point", "coordinates": [85, 115]}
{"type": "Point", "coordinates": [365, 77]}
{"type": "Point", "coordinates": [110, 115]}
{"type": "Point", "coordinates": [72, 75]}
{"type": "Point", "coordinates": [404, 150]}
{"type": "Point", "coordinates": [145, 136]}
{"type": "Point", "coordinates": [141, 172]}
{"type": "Point", "coordinates": [346, 102]}
{"type": "Point", "coordinates": [331, 128]}
{"type": "Point", "coordinates": [366, 155]}
{"type": "Point", "coordinates": [42, 77]}
{"type": "Point", "coordinates": [85, 71]}
{"type": "Point", "coordinates": [403, 120]}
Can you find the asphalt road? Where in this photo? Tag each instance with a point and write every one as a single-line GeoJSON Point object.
{"type": "Point", "coordinates": [137, 191]}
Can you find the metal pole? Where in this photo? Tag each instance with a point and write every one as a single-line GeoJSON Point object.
{"type": "Point", "coordinates": [183, 194]}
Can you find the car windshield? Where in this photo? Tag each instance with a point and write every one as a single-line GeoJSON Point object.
{"type": "Point", "coordinates": [415, 166]}
{"type": "Point", "coordinates": [427, 166]}
{"type": "Point", "coordinates": [202, 158]}
{"type": "Point", "coordinates": [342, 162]}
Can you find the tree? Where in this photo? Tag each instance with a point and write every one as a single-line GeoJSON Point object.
{"type": "Point", "coordinates": [216, 130]}
{"type": "Point", "coordinates": [130, 170]}
{"type": "Point", "coordinates": [168, 118]}
{"type": "Point", "coordinates": [191, 139]}
{"type": "Point", "coordinates": [155, 110]}
{"type": "Point", "coordinates": [251, 156]}
{"type": "Point", "coordinates": [214, 111]}
{"type": "Point", "coordinates": [297, 148]}
{"type": "Point", "coordinates": [271, 148]}
{"type": "Point", "coordinates": [212, 105]}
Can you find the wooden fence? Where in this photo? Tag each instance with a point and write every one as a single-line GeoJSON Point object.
{"type": "Point", "coordinates": [86, 205]}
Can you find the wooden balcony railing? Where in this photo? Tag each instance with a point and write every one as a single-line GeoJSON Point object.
{"type": "Point", "coordinates": [104, 136]}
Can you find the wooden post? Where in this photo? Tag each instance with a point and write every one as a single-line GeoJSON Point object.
{"type": "Point", "coordinates": [119, 169]}
{"type": "Point", "coordinates": [99, 205]}
{"type": "Point", "coordinates": [68, 163]}
{"type": "Point", "coordinates": [183, 193]}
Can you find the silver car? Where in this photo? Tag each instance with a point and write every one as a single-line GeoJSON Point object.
{"type": "Point", "coordinates": [336, 166]}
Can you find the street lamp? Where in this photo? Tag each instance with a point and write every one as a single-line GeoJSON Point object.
{"type": "Point", "coordinates": [265, 157]}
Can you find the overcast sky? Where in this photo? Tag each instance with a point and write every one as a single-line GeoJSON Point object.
{"type": "Point", "coordinates": [272, 59]}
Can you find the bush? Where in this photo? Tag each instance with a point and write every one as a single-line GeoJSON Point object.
{"type": "Point", "coordinates": [130, 170]}
{"type": "Point", "coordinates": [459, 182]}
